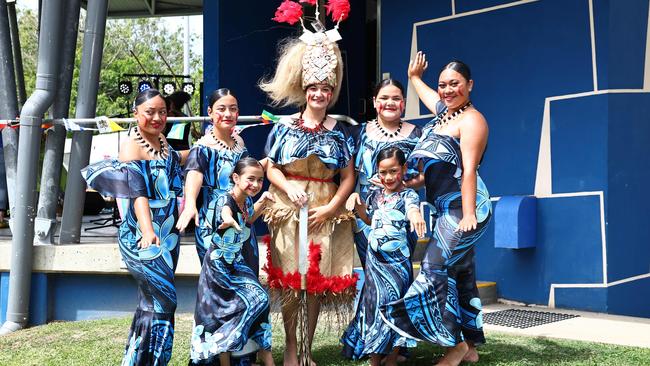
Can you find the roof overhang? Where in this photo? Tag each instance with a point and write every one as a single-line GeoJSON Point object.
{"type": "Point", "coordinates": [151, 8]}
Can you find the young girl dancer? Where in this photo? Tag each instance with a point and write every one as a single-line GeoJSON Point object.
{"type": "Point", "coordinates": [232, 307]}
{"type": "Point", "coordinates": [392, 212]}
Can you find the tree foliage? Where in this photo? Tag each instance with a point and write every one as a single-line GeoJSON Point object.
{"type": "Point", "coordinates": [144, 37]}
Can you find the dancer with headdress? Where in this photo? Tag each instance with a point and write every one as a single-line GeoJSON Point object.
{"type": "Point", "coordinates": [305, 153]}
{"type": "Point", "coordinates": [148, 176]}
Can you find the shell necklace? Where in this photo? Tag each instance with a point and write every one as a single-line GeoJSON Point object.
{"type": "Point", "coordinates": [387, 133]}
{"type": "Point", "coordinates": [163, 153]}
{"type": "Point", "coordinates": [445, 118]}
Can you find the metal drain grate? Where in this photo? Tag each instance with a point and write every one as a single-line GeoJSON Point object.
{"type": "Point", "coordinates": [515, 318]}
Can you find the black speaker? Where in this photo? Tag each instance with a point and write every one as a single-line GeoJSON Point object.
{"type": "Point", "coordinates": [94, 203]}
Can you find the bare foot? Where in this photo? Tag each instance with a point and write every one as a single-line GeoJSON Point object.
{"type": "Point", "coordinates": [266, 357]}
{"type": "Point", "coordinates": [290, 359]}
{"type": "Point", "coordinates": [454, 355]}
{"type": "Point", "coordinates": [472, 355]}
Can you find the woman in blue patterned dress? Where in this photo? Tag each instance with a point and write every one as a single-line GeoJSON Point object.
{"type": "Point", "coordinates": [392, 210]}
{"type": "Point", "coordinates": [387, 130]}
{"type": "Point", "coordinates": [209, 166]}
{"type": "Point", "coordinates": [442, 305]}
{"type": "Point", "coordinates": [148, 177]}
{"type": "Point", "coordinates": [232, 308]}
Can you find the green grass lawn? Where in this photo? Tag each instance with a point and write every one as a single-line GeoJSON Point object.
{"type": "Point", "coordinates": [101, 342]}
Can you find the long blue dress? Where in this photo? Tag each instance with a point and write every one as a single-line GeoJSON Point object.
{"type": "Point", "coordinates": [366, 166]}
{"type": "Point", "coordinates": [152, 330]}
{"type": "Point", "coordinates": [232, 308]}
{"type": "Point", "coordinates": [216, 167]}
{"type": "Point", "coordinates": [388, 274]}
{"type": "Point", "coordinates": [442, 305]}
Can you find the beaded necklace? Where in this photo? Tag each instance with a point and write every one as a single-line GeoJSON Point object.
{"type": "Point", "coordinates": [446, 118]}
{"type": "Point", "coordinates": [299, 123]}
{"type": "Point", "coordinates": [216, 141]}
{"type": "Point", "coordinates": [385, 132]}
{"type": "Point", "coordinates": [163, 153]}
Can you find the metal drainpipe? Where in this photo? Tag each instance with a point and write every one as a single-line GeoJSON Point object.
{"type": "Point", "coordinates": [28, 150]}
{"type": "Point", "coordinates": [54, 144]}
{"type": "Point", "coordinates": [18, 56]}
{"type": "Point", "coordinates": [8, 102]}
{"type": "Point", "coordinates": [91, 60]}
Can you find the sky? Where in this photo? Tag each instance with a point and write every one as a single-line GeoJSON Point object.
{"type": "Point", "coordinates": [196, 24]}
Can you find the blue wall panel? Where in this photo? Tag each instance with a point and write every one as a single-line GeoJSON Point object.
{"type": "Point", "coordinates": [83, 296]}
{"type": "Point", "coordinates": [628, 231]}
{"type": "Point", "coordinates": [630, 298]}
{"type": "Point", "coordinates": [469, 5]}
{"type": "Point", "coordinates": [620, 29]}
{"type": "Point", "coordinates": [397, 31]}
{"type": "Point", "coordinates": [39, 309]}
{"type": "Point", "coordinates": [589, 299]}
{"type": "Point", "coordinates": [568, 251]}
{"type": "Point", "coordinates": [512, 77]}
{"type": "Point", "coordinates": [579, 144]}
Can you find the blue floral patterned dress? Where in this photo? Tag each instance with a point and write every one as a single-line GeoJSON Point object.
{"type": "Point", "coordinates": [366, 167]}
{"type": "Point", "coordinates": [232, 308]}
{"type": "Point", "coordinates": [216, 165]}
{"type": "Point", "coordinates": [442, 305]}
{"type": "Point", "coordinates": [388, 274]}
{"type": "Point", "coordinates": [152, 330]}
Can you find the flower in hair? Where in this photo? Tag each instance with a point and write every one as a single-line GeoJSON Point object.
{"type": "Point", "coordinates": [310, 2]}
{"type": "Point", "coordinates": [338, 9]}
{"type": "Point", "coordinates": [288, 12]}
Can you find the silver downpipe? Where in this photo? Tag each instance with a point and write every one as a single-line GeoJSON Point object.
{"type": "Point", "coordinates": [91, 60]}
{"type": "Point", "coordinates": [55, 141]}
{"type": "Point", "coordinates": [28, 152]}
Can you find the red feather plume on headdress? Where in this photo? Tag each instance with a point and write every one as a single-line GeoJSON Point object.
{"type": "Point", "coordinates": [288, 12]}
{"type": "Point", "coordinates": [338, 9]}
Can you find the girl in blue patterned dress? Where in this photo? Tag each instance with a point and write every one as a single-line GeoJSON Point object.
{"type": "Point", "coordinates": [209, 166]}
{"type": "Point", "coordinates": [442, 305]}
{"type": "Point", "coordinates": [388, 268]}
{"type": "Point", "coordinates": [387, 130]}
{"type": "Point", "coordinates": [232, 308]}
{"type": "Point", "coordinates": [148, 177]}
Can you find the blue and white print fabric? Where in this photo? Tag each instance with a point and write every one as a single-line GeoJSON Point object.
{"type": "Point", "coordinates": [216, 167]}
{"type": "Point", "coordinates": [387, 272]}
{"type": "Point", "coordinates": [152, 330]}
{"type": "Point", "coordinates": [232, 307]}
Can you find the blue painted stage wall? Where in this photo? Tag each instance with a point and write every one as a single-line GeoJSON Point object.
{"type": "Point", "coordinates": [83, 296]}
{"type": "Point", "coordinates": [522, 52]}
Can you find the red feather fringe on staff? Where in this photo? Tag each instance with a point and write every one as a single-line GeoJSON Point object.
{"type": "Point", "coordinates": [316, 282]}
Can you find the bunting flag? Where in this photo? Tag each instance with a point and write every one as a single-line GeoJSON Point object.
{"type": "Point", "coordinates": [72, 126]}
{"type": "Point", "coordinates": [105, 125]}
{"type": "Point", "coordinates": [176, 132]}
{"type": "Point", "coordinates": [268, 117]}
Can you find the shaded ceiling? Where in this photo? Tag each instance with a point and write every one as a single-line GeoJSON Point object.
{"type": "Point", "coordinates": [151, 8]}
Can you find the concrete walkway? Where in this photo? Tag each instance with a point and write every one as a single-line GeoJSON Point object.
{"type": "Point", "coordinates": [591, 327]}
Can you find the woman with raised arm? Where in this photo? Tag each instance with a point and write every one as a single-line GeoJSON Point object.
{"type": "Point", "coordinates": [443, 305]}
{"type": "Point", "coordinates": [147, 175]}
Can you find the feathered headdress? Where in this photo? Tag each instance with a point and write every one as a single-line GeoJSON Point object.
{"type": "Point", "coordinates": [315, 59]}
